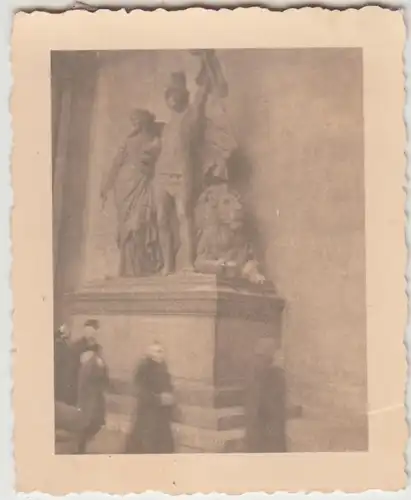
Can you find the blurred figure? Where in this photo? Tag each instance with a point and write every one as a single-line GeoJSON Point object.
{"type": "Point", "coordinates": [69, 419]}
{"type": "Point", "coordinates": [265, 406]}
{"type": "Point", "coordinates": [67, 361]}
{"type": "Point", "coordinates": [93, 381]}
{"type": "Point", "coordinates": [62, 363]}
{"type": "Point", "coordinates": [77, 348]}
{"type": "Point", "coordinates": [151, 431]}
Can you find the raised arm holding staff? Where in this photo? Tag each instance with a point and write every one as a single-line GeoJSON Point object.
{"type": "Point", "coordinates": [175, 169]}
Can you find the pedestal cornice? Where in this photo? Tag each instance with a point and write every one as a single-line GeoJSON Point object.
{"type": "Point", "coordinates": [194, 294]}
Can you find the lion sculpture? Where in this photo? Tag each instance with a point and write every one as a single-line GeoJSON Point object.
{"type": "Point", "coordinates": [223, 247]}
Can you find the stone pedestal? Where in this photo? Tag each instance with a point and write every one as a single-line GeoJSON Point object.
{"type": "Point", "coordinates": [209, 328]}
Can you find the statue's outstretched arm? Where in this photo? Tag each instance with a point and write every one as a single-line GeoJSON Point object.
{"type": "Point", "coordinates": [110, 178]}
{"type": "Point", "coordinates": [215, 72]}
{"type": "Point", "coordinates": [212, 72]}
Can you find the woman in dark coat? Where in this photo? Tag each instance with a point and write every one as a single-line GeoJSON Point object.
{"type": "Point", "coordinates": [67, 354]}
{"type": "Point", "coordinates": [151, 431]}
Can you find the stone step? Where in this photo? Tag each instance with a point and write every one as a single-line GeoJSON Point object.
{"type": "Point", "coordinates": [118, 422]}
{"type": "Point", "coordinates": [209, 441]}
{"type": "Point", "coordinates": [304, 435]}
{"type": "Point", "coordinates": [189, 439]}
{"type": "Point", "coordinates": [211, 418]}
{"type": "Point", "coordinates": [205, 418]}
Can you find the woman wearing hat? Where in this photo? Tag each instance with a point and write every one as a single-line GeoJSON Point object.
{"type": "Point", "coordinates": [130, 177]}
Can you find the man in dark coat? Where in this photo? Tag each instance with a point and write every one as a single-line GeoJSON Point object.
{"type": "Point", "coordinates": [67, 353]}
{"type": "Point", "coordinates": [93, 381]}
{"type": "Point", "coordinates": [69, 376]}
{"type": "Point", "coordinates": [265, 407]}
{"type": "Point", "coordinates": [151, 430]}
{"type": "Point", "coordinates": [78, 347]}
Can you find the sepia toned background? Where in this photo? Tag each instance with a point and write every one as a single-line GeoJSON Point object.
{"type": "Point", "coordinates": [382, 467]}
{"type": "Point", "coordinates": [297, 116]}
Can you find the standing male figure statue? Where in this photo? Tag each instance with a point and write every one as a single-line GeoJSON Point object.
{"type": "Point", "coordinates": [176, 175]}
{"type": "Point", "coordinates": [174, 179]}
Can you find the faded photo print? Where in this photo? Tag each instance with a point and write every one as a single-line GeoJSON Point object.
{"type": "Point", "coordinates": [209, 251]}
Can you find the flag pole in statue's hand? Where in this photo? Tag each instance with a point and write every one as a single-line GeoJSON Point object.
{"type": "Point", "coordinates": [211, 70]}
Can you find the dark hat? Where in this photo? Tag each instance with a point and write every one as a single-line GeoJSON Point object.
{"type": "Point", "coordinates": [93, 323]}
{"type": "Point", "coordinates": [177, 81]}
{"type": "Point", "coordinates": [143, 115]}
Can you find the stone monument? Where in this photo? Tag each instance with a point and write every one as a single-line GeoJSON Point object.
{"type": "Point", "coordinates": [208, 326]}
{"type": "Point", "coordinates": [209, 314]}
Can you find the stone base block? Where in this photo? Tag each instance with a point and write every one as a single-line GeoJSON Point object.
{"type": "Point", "coordinates": [209, 328]}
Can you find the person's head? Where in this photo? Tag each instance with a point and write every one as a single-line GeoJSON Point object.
{"type": "Point", "coordinates": [91, 327]}
{"type": "Point", "coordinates": [176, 94]}
{"type": "Point", "coordinates": [63, 332]}
{"type": "Point", "coordinates": [156, 352]}
{"type": "Point", "coordinates": [141, 119]}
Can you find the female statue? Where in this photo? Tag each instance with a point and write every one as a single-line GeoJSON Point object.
{"type": "Point", "coordinates": [130, 177]}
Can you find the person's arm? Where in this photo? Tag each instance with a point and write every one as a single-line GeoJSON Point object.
{"type": "Point", "coordinates": [215, 73]}
{"type": "Point", "coordinates": [197, 106]}
{"type": "Point", "coordinates": [111, 176]}
{"type": "Point", "coordinates": [155, 150]}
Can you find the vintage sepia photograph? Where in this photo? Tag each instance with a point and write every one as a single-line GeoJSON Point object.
{"type": "Point", "coordinates": [209, 251]}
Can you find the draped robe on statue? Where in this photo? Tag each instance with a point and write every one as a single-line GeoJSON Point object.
{"type": "Point", "coordinates": [131, 177]}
